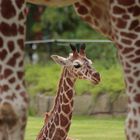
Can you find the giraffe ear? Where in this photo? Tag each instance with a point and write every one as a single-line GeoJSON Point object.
{"type": "Point", "coordinates": [59, 60]}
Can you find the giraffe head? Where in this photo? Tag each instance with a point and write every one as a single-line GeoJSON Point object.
{"type": "Point", "coordinates": [78, 65]}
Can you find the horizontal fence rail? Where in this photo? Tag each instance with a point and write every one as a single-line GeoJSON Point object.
{"type": "Point", "coordinates": [66, 41]}
{"type": "Point", "coordinates": [33, 45]}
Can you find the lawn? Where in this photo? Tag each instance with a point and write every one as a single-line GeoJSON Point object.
{"type": "Point", "coordinates": [84, 128]}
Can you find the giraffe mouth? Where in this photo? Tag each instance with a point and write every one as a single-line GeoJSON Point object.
{"type": "Point", "coordinates": [95, 82]}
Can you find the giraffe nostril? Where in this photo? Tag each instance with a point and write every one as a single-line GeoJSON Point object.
{"type": "Point", "coordinates": [97, 75]}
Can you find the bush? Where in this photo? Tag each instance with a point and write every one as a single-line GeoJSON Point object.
{"type": "Point", "coordinates": [44, 79]}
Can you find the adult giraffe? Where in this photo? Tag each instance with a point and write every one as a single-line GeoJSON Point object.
{"type": "Point", "coordinates": [117, 19]}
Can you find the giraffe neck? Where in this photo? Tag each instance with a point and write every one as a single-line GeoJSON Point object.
{"type": "Point", "coordinates": [96, 14]}
{"type": "Point", "coordinates": [58, 123]}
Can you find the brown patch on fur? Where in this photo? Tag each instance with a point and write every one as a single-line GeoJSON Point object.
{"type": "Point", "coordinates": [69, 82]}
{"type": "Point", "coordinates": [66, 108]}
{"type": "Point", "coordinates": [64, 120]}
{"type": "Point", "coordinates": [137, 98]}
{"type": "Point", "coordinates": [7, 115]}
{"type": "Point", "coordinates": [65, 86]}
{"type": "Point", "coordinates": [7, 9]}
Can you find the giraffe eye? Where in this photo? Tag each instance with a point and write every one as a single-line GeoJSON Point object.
{"type": "Point", "coordinates": [77, 65]}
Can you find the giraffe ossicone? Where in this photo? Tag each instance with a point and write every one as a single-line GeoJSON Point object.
{"type": "Point", "coordinates": [58, 120]}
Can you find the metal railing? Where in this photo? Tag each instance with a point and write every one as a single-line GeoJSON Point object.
{"type": "Point", "coordinates": [33, 45]}
{"type": "Point", "coordinates": [66, 41]}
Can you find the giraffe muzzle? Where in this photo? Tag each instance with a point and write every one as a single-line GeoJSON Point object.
{"type": "Point", "coordinates": [96, 78]}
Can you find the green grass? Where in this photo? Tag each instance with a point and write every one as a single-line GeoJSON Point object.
{"type": "Point", "coordinates": [84, 128]}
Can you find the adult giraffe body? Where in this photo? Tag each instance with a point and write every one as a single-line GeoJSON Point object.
{"type": "Point", "coordinates": [117, 19]}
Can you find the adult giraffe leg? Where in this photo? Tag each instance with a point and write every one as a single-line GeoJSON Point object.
{"type": "Point", "coordinates": [132, 126]}
{"type": "Point", "coordinates": [119, 20]}
{"type": "Point", "coordinates": [126, 29]}
{"type": "Point", "coordinates": [13, 97]}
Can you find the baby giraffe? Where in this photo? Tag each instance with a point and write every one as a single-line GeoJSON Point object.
{"type": "Point", "coordinates": [58, 120]}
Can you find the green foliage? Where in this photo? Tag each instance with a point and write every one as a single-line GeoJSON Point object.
{"type": "Point", "coordinates": [44, 79]}
{"type": "Point", "coordinates": [104, 53]}
{"type": "Point", "coordinates": [64, 23]}
{"type": "Point", "coordinates": [59, 23]}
